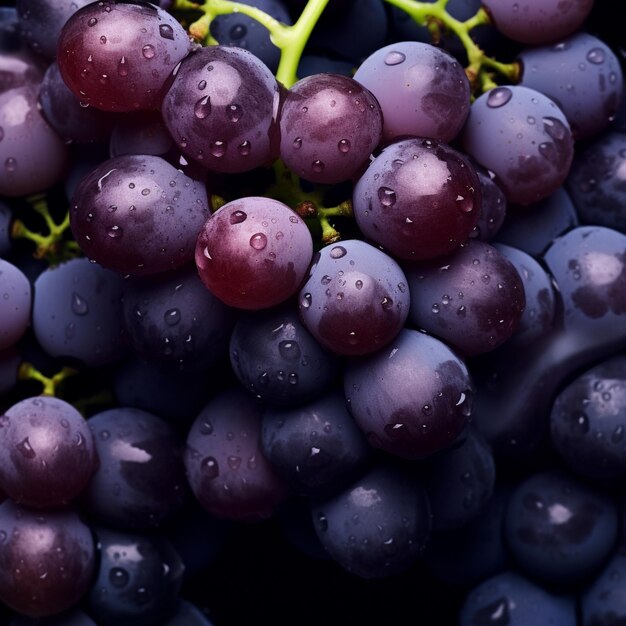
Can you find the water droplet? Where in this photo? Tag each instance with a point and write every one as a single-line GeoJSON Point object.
{"type": "Point", "coordinates": [234, 462]}
{"type": "Point", "coordinates": [238, 31]}
{"type": "Point", "coordinates": [336, 252]}
{"type": "Point", "coordinates": [10, 164]}
{"type": "Point", "coordinates": [1, 133]}
{"type": "Point", "coordinates": [237, 217]}
{"type": "Point", "coordinates": [386, 303]}
{"type": "Point", "coordinates": [92, 21]}
{"type": "Point", "coordinates": [293, 378]}
{"type": "Point", "coordinates": [386, 196]}
{"type": "Point", "coordinates": [318, 166]}
{"type": "Point", "coordinates": [435, 308]}
{"type": "Point", "coordinates": [596, 56]}
{"type": "Point", "coordinates": [218, 148]}
{"type": "Point", "coordinates": [465, 204]}
{"type": "Point", "coordinates": [202, 108]}
{"type": "Point", "coordinates": [79, 305]}
{"type": "Point", "coordinates": [148, 51]}
{"type": "Point", "coordinates": [344, 146]}
{"type": "Point", "coordinates": [289, 349]}
{"type": "Point", "coordinates": [115, 232]}
{"type": "Point", "coordinates": [234, 111]}
{"type": "Point", "coordinates": [323, 522]}
{"type": "Point", "coordinates": [206, 428]}
{"type": "Point", "coordinates": [359, 284]}
{"type": "Point", "coordinates": [103, 39]}
{"type": "Point", "coordinates": [210, 468]}
{"type": "Point", "coordinates": [166, 31]}
{"type": "Point", "coordinates": [555, 128]}
{"type": "Point", "coordinates": [172, 317]}
{"type": "Point", "coordinates": [25, 449]}
{"type": "Point", "coordinates": [118, 577]}
{"type": "Point", "coordinates": [618, 434]}
{"type": "Point", "coordinates": [499, 97]}
{"type": "Point", "coordinates": [258, 241]}
{"type": "Point", "coordinates": [297, 142]}
{"type": "Point", "coordinates": [305, 303]}
{"type": "Point", "coordinates": [394, 58]}
{"type": "Point", "coordinates": [579, 424]}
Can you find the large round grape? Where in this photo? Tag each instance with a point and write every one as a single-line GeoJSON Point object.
{"type": "Point", "coordinates": [523, 138]}
{"type": "Point", "coordinates": [329, 126]}
{"type": "Point", "coordinates": [422, 90]}
{"type": "Point", "coordinates": [15, 304]}
{"type": "Point", "coordinates": [47, 453]}
{"type": "Point", "coordinates": [222, 109]}
{"type": "Point", "coordinates": [356, 299]}
{"type": "Point", "coordinates": [117, 55]}
{"type": "Point", "coordinates": [418, 199]}
{"type": "Point", "coordinates": [253, 253]}
{"type": "Point", "coordinates": [413, 398]}
{"type": "Point", "coordinates": [138, 215]}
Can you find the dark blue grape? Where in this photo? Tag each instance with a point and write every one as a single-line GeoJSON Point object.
{"type": "Point", "coordinates": [297, 526]}
{"type": "Point", "coordinates": [317, 448]}
{"type": "Point", "coordinates": [493, 208]}
{"type": "Point", "coordinates": [275, 357]}
{"type": "Point", "coordinates": [413, 398]}
{"type": "Point", "coordinates": [47, 559]}
{"type": "Point", "coordinates": [509, 599]}
{"type": "Point", "coordinates": [6, 217]}
{"type": "Point", "coordinates": [582, 75]}
{"type": "Point", "coordinates": [10, 39]}
{"type": "Point", "coordinates": [77, 312]}
{"type": "Point", "coordinates": [376, 527]}
{"type": "Point", "coordinates": [140, 133]}
{"type": "Point", "coordinates": [588, 421]}
{"type": "Point", "coordinates": [15, 304]}
{"type": "Point", "coordinates": [236, 29]}
{"type": "Point", "coordinates": [460, 482]}
{"type": "Point", "coordinates": [140, 482]}
{"type": "Point", "coordinates": [47, 453]}
{"type": "Point", "coordinates": [311, 64]}
{"type": "Point", "coordinates": [226, 468]}
{"type": "Point", "coordinates": [138, 579]}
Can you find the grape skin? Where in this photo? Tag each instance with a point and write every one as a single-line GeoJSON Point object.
{"type": "Point", "coordinates": [15, 304]}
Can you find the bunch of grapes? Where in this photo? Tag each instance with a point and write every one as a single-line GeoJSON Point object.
{"type": "Point", "coordinates": [312, 311]}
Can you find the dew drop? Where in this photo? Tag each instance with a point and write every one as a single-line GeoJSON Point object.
{"type": "Point", "coordinates": [118, 577]}
{"type": "Point", "coordinates": [579, 424]}
{"type": "Point", "coordinates": [386, 303]}
{"type": "Point", "coordinates": [92, 21]}
{"type": "Point", "coordinates": [297, 142]}
{"type": "Point", "coordinates": [337, 252]}
{"type": "Point", "coordinates": [10, 164]}
{"type": "Point", "coordinates": [596, 56]}
{"type": "Point", "coordinates": [318, 166]}
{"type": "Point", "coordinates": [499, 97]}
{"type": "Point", "coordinates": [206, 428]}
{"type": "Point", "coordinates": [210, 468]}
{"type": "Point", "coordinates": [289, 349]}
{"type": "Point", "coordinates": [166, 31]}
{"type": "Point", "coordinates": [244, 148]}
{"type": "Point", "coordinates": [148, 51]}
{"type": "Point", "coordinates": [234, 112]}
{"type": "Point", "coordinates": [258, 241]}
{"type": "Point", "coordinates": [465, 204]}
{"type": "Point", "coordinates": [618, 434]}
{"type": "Point", "coordinates": [218, 149]}
{"type": "Point", "coordinates": [344, 146]}
{"type": "Point", "coordinates": [115, 232]}
{"type": "Point", "coordinates": [386, 196]}
{"type": "Point", "coordinates": [25, 449]}
{"type": "Point", "coordinates": [237, 217]}
{"type": "Point", "coordinates": [103, 39]}
{"type": "Point", "coordinates": [394, 58]}
{"type": "Point", "coordinates": [234, 462]}
{"type": "Point", "coordinates": [359, 284]}
{"type": "Point", "coordinates": [172, 317]}
{"type": "Point", "coordinates": [305, 303]}
{"type": "Point", "coordinates": [238, 31]}
{"type": "Point", "coordinates": [555, 128]}
{"type": "Point", "coordinates": [79, 305]}
{"type": "Point", "coordinates": [202, 108]}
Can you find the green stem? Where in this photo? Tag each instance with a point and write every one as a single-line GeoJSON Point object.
{"type": "Point", "coordinates": [27, 371]}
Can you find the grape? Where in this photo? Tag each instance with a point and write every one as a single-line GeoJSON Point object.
{"type": "Point", "coordinates": [47, 454]}
{"type": "Point", "coordinates": [510, 598]}
{"type": "Point", "coordinates": [472, 299]}
{"type": "Point", "coordinates": [603, 601]}
{"type": "Point", "coordinates": [65, 114]}
{"type": "Point", "coordinates": [140, 133]}
{"type": "Point", "coordinates": [418, 198]}
{"type": "Point", "coordinates": [77, 312]}
{"type": "Point", "coordinates": [493, 208]}
{"type": "Point", "coordinates": [411, 399]}
{"type": "Point", "coordinates": [18, 67]}
{"type": "Point", "coordinates": [226, 468]}
{"type": "Point", "coordinates": [582, 75]}
{"type": "Point", "coordinates": [138, 215]}
{"type": "Point", "coordinates": [355, 300]}
{"type": "Point", "coordinates": [595, 181]}
{"type": "Point", "coordinates": [317, 448]}
{"type": "Point", "coordinates": [222, 109]}
{"type": "Point", "coordinates": [523, 138]}
{"type": "Point", "coordinates": [140, 482]}
{"type": "Point", "coordinates": [587, 421]}
{"type": "Point", "coordinates": [329, 126]}
{"type": "Point", "coordinates": [537, 21]}
{"type": "Point", "coordinates": [137, 581]}
{"type": "Point", "coordinates": [6, 217]}
{"type": "Point", "coordinates": [32, 155]}
{"type": "Point", "coordinates": [117, 55]}
{"type": "Point", "coordinates": [558, 530]}
{"type": "Point", "coordinates": [47, 559]}
{"type": "Point", "coordinates": [378, 526]}
{"type": "Point", "coordinates": [9, 29]}
{"type": "Point", "coordinates": [236, 29]}
{"type": "Point", "coordinates": [311, 64]}
{"type": "Point", "coordinates": [15, 304]}
{"type": "Point", "coordinates": [275, 357]}
{"type": "Point", "coordinates": [253, 253]}
{"type": "Point", "coordinates": [172, 318]}
{"type": "Point", "coordinates": [422, 90]}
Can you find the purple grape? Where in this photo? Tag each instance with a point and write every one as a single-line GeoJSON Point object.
{"type": "Point", "coordinates": [538, 21]}
{"type": "Point", "coordinates": [18, 67]}
{"type": "Point", "coordinates": [6, 217]}
{"type": "Point", "coordinates": [15, 304]}
{"type": "Point", "coordinates": [253, 253]}
{"type": "Point", "coordinates": [222, 109]}
{"type": "Point", "coordinates": [418, 199]}
{"type": "Point", "coordinates": [329, 126]}
{"type": "Point", "coordinates": [138, 215]}
{"type": "Point", "coordinates": [46, 561]}
{"type": "Point", "coordinates": [493, 208]}
{"type": "Point", "coordinates": [582, 75]}
{"type": "Point", "coordinates": [117, 56]}
{"type": "Point", "coordinates": [356, 299]}
{"type": "Point", "coordinates": [603, 602]}
{"type": "Point", "coordinates": [422, 90]}
{"type": "Point", "coordinates": [226, 468]}
{"type": "Point", "coordinates": [47, 453]}
{"type": "Point", "coordinates": [77, 313]}
{"type": "Point", "coordinates": [411, 399]}
{"type": "Point", "coordinates": [140, 481]}
{"type": "Point", "coordinates": [140, 133]}
{"type": "Point", "coordinates": [472, 298]}
{"type": "Point", "coordinates": [523, 138]}
{"type": "Point", "coordinates": [376, 527]}
{"type": "Point", "coordinates": [32, 155]}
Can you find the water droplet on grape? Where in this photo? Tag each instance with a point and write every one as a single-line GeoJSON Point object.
{"type": "Point", "coordinates": [119, 577]}
{"type": "Point", "coordinates": [218, 149]}
{"type": "Point", "coordinates": [258, 241]}
{"type": "Point", "coordinates": [386, 196]}
{"type": "Point", "coordinates": [148, 51]}
{"type": "Point", "coordinates": [318, 166]}
{"type": "Point", "coordinates": [92, 21]}
{"type": "Point", "coordinates": [555, 128]}
{"type": "Point", "coordinates": [596, 56]}
{"type": "Point", "coordinates": [202, 108]}
{"type": "Point", "coordinates": [305, 303]}
{"type": "Point", "coordinates": [172, 317]}
{"type": "Point", "coordinates": [337, 252]}
{"type": "Point", "coordinates": [115, 232]}
{"type": "Point", "coordinates": [10, 164]}
{"type": "Point", "coordinates": [244, 148]}
{"type": "Point", "coordinates": [166, 31]}
{"type": "Point", "coordinates": [79, 305]}
{"type": "Point", "coordinates": [297, 142]}
{"type": "Point", "coordinates": [234, 112]}
{"type": "Point", "coordinates": [499, 97]}
{"type": "Point", "coordinates": [237, 217]}
{"type": "Point", "coordinates": [25, 449]}
{"type": "Point", "coordinates": [289, 349]}
{"type": "Point", "coordinates": [344, 146]}
{"type": "Point", "coordinates": [579, 424]}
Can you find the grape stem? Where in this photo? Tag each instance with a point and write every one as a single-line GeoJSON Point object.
{"type": "Point", "coordinates": [27, 371]}
{"type": "Point", "coordinates": [54, 247]}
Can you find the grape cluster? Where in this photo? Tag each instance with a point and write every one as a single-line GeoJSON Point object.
{"type": "Point", "coordinates": [312, 312]}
